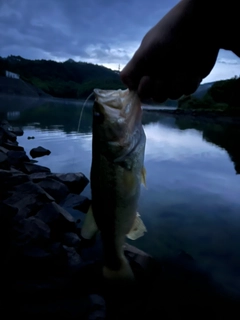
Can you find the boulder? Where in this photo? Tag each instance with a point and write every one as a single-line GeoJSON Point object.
{"type": "Point", "coordinates": [30, 188]}
{"type": "Point", "coordinates": [34, 260]}
{"type": "Point", "coordinates": [59, 220]}
{"type": "Point", "coordinates": [39, 176]}
{"type": "Point", "coordinates": [57, 249]}
{"type": "Point", "coordinates": [16, 158]}
{"type": "Point", "coordinates": [141, 259]}
{"type": "Point", "coordinates": [4, 164]}
{"type": "Point", "coordinates": [27, 205]}
{"type": "Point", "coordinates": [73, 259]}
{"type": "Point", "coordinates": [77, 202]}
{"type": "Point", "coordinates": [71, 239]}
{"type": "Point", "coordinates": [56, 189]}
{"type": "Point", "coordinates": [39, 152]}
{"type": "Point", "coordinates": [1, 136]}
{"type": "Point", "coordinates": [4, 150]}
{"type": "Point", "coordinates": [29, 167]}
{"type": "Point", "coordinates": [36, 252]}
{"type": "Point", "coordinates": [12, 146]}
{"type": "Point", "coordinates": [15, 179]}
{"type": "Point", "coordinates": [4, 175]}
{"type": "Point", "coordinates": [8, 134]}
{"type": "Point", "coordinates": [4, 122]}
{"type": "Point", "coordinates": [28, 198]}
{"type": "Point", "coordinates": [97, 307]}
{"type": "Point", "coordinates": [32, 231]}
{"type": "Point", "coordinates": [76, 182]}
{"type": "Point", "coordinates": [17, 131]}
{"type": "Point", "coordinates": [7, 213]}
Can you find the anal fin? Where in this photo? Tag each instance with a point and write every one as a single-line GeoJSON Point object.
{"type": "Point", "coordinates": [143, 177]}
{"type": "Point", "coordinates": [138, 229]}
{"type": "Point", "coordinates": [89, 228]}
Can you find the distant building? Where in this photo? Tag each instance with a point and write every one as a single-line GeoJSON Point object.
{"type": "Point", "coordinates": [12, 75]}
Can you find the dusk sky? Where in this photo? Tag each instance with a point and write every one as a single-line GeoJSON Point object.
{"type": "Point", "coordinates": [104, 32]}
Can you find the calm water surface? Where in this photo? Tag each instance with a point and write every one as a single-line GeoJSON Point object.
{"type": "Point", "coordinates": [192, 200]}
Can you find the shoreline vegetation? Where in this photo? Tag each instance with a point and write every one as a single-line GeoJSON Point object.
{"type": "Point", "coordinates": [72, 80]}
{"type": "Point", "coordinates": [221, 102]}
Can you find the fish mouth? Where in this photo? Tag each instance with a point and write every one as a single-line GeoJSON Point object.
{"type": "Point", "coordinates": [111, 98]}
{"type": "Point", "coordinates": [117, 103]}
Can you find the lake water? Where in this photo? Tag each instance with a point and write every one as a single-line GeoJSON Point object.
{"type": "Point", "coordinates": [192, 200]}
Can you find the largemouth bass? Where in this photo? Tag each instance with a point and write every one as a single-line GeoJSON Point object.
{"type": "Point", "coordinates": [117, 170]}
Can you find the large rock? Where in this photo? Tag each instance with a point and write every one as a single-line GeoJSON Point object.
{"type": "Point", "coordinates": [56, 189]}
{"type": "Point", "coordinates": [140, 258]}
{"type": "Point", "coordinates": [39, 152]}
{"type": "Point", "coordinates": [15, 179]}
{"type": "Point", "coordinates": [16, 130]}
{"type": "Point", "coordinates": [34, 260]}
{"type": "Point", "coordinates": [36, 252]}
{"type": "Point", "coordinates": [28, 198]}
{"type": "Point", "coordinates": [4, 164]}
{"type": "Point", "coordinates": [97, 307]}
{"type": "Point", "coordinates": [59, 220]}
{"type": "Point", "coordinates": [73, 259]}
{"type": "Point", "coordinates": [4, 174]}
{"type": "Point", "coordinates": [12, 146]}
{"type": "Point", "coordinates": [32, 231]}
{"type": "Point", "coordinates": [76, 182]}
{"type": "Point", "coordinates": [71, 239]}
{"type": "Point", "coordinates": [1, 136]}
{"type": "Point", "coordinates": [29, 167]}
{"type": "Point", "coordinates": [39, 176]}
{"type": "Point", "coordinates": [31, 189]}
{"type": "Point", "coordinates": [76, 201]}
{"type": "Point", "coordinates": [4, 122]}
{"type": "Point", "coordinates": [2, 149]}
{"type": "Point", "coordinates": [8, 134]}
{"type": "Point", "coordinates": [16, 158]}
{"type": "Point", "coordinates": [7, 213]}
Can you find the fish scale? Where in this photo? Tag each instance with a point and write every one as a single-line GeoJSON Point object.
{"type": "Point", "coordinates": [117, 170]}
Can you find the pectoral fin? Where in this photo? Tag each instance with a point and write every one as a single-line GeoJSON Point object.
{"type": "Point", "coordinates": [143, 176]}
{"type": "Point", "coordinates": [89, 228]}
{"type": "Point", "coordinates": [138, 229]}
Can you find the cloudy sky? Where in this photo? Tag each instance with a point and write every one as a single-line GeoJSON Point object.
{"type": "Point", "coordinates": [105, 32]}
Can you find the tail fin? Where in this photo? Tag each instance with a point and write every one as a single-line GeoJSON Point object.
{"type": "Point", "coordinates": [123, 274]}
{"type": "Point", "coordinates": [138, 229]}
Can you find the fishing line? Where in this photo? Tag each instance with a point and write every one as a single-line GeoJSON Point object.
{"type": "Point", "coordinates": [80, 120]}
{"type": "Point", "coordinates": [81, 113]}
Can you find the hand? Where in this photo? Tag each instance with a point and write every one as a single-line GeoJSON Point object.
{"type": "Point", "coordinates": [175, 55]}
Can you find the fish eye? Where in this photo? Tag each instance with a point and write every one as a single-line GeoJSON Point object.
{"type": "Point", "coordinates": [99, 117]}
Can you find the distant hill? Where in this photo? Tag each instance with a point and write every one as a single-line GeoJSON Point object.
{"type": "Point", "coordinates": [67, 79]}
{"type": "Point", "coordinates": [202, 90]}
{"type": "Point", "coordinates": [18, 87]}
{"type": "Point", "coordinates": [222, 96]}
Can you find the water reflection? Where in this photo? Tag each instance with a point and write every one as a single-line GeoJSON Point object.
{"type": "Point", "coordinates": [192, 198]}
{"type": "Point", "coordinates": [226, 136]}
{"type": "Point", "coordinates": [64, 115]}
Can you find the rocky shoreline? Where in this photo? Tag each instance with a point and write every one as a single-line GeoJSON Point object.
{"type": "Point", "coordinates": [49, 271]}
{"type": "Point", "coordinates": [42, 251]}
{"type": "Point", "coordinates": [214, 116]}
